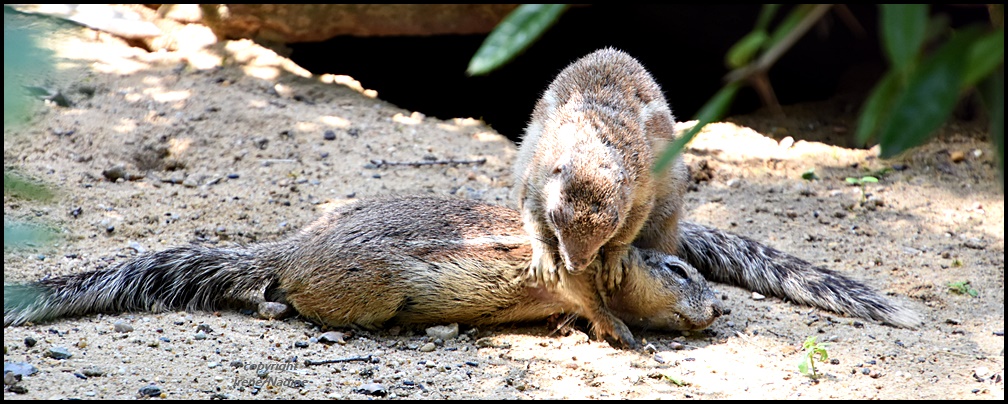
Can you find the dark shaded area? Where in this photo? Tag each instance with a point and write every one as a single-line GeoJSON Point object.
{"type": "Point", "coordinates": [682, 45]}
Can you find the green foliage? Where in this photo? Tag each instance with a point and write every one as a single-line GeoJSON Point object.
{"type": "Point", "coordinates": [914, 98]}
{"type": "Point", "coordinates": [809, 175]}
{"type": "Point", "coordinates": [962, 288]}
{"type": "Point", "coordinates": [22, 58]}
{"type": "Point", "coordinates": [523, 26]}
{"type": "Point", "coordinates": [813, 351]}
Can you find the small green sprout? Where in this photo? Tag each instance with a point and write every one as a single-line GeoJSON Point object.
{"type": "Point", "coordinates": [809, 175]}
{"type": "Point", "coordinates": [813, 350]}
{"type": "Point", "coordinates": [862, 182]}
{"type": "Point", "coordinates": [962, 288]}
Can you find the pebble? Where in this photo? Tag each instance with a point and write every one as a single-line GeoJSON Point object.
{"type": "Point", "coordinates": [233, 176]}
{"type": "Point", "coordinates": [330, 337]}
{"type": "Point", "coordinates": [122, 327]}
{"type": "Point", "coordinates": [19, 368]}
{"type": "Point", "coordinates": [300, 344]}
{"type": "Point", "coordinates": [92, 371]}
{"type": "Point", "coordinates": [757, 296]}
{"type": "Point", "coordinates": [444, 332]}
{"type": "Point", "coordinates": [372, 389]}
{"type": "Point", "coordinates": [11, 378]}
{"type": "Point", "coordinates": [200, 336]}
{"type": "Point", "coordinates": [329, 135]}
{"type": "Point", "coordinates": [30, 342]}
{"type": "Point", "coordinates": [428, 347]}
{"type": "Point", "coordinates": [114, 173]}
{"type": "Point", "coordinates": [150, 391]}
{"type": "Point", "coordinates": [58, 353]}
{"type": "Point", "coordinates": [272, 310]}
{"type": "Point", "coordinates": [957, 156]}
{"type": "Point", "coordinates": [975, 244]}
{"type": "Point", "coordinates": [980, 372]}
{"type": "Point", "coordinates": [204, 328]}
{"type": "Point", "coordinates": [650, 348]}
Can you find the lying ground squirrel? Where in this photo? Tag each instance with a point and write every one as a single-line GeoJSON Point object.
{"type": "Point", "coordinates": [426, 260]}
{"type": "Point", "coordinates": [407, 260]}
{"type": "Point", "coordinates": [583, 175]}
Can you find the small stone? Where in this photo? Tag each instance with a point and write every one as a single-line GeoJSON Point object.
{"type": "Point", "coordinates": [262, 373]}
{"type": "Point", "coordinates": [300, 344]}
{"type": "Point", "coordinates": [865, 371]}
{"type": "Point", "coordinates": [17, 389]}
{"type": "Point", "coordinates": [444, 332]}
{"type": "Point", "coordinates": [122, 327]}
{"type": "Point", "coordinates": [92, 371]}
{"type": "Point", "coordinates": [19, 368]}
{"type": "Point", "coordinates": [428, 347]}
{"type": "Point", "coordinates": [786, 142]}
{"type": "Point", "coordinates": [733, 183]}
{"type": "Point", "coordinates": [200, 336]}
{"type": "Point", "coordinates": [329, 135]}
{"type": "Point", "coordinates": [273, 310]}
{"type": "Point", "coordinates": [204, 328]}
{"type": "Point", "coordinates": [233, 176]}
{"type": "Point", "coordinates": [30, 342]}
{"type": "Point", "coordinates": [676, 346]}
{"type": "Point", "coordinates": [372, 389]}
{"type": "Point", "coordinates": [757, 296]}
{"type": "Point", "coordinates": [974, 243]}
{"type": "Point", "coordinates": [957, 156]}
{"type": "Point", "coordinates": [650, 348]}
{"type": "Point", "coordinates": [114, 173]}
{"type": "Point", "coordinates": [58, 353]}
{"type": "Point", "coordinates": [981, 372]}
{"type": "Point", "coordinates": [150, 391]}
{"type": "Point", "coordinates": [11, 378]}
{"type": "Point", "coordinates": [953, 321]}
{"type": "Point", "coordinates": [330, 337]}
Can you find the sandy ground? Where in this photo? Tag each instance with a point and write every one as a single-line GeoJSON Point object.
{"type": "Point", "coordinates": [232, 144]}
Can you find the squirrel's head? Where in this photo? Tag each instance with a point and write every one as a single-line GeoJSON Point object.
{"type": "Point", "coordinates": [587, 201]}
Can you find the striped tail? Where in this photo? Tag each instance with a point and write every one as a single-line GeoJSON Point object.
{"type": "Point", "coordinates": [736, 260]}
{"type": "Point", "coordinates": [186, 278]}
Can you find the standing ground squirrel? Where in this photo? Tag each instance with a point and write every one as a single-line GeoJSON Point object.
{"type": "Point", "coordinates": [583, 176]}
{"type": "Point", "coordinates": [426, 260]}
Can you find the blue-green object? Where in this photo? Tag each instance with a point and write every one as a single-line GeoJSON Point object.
{"type": "Point", "coordinates": [523, 26]}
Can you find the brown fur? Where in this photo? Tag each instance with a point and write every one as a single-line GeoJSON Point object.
{"type": "Point", "coordinates": [583, 176]}
{"type": "Point", "coordinates": [406, 260]}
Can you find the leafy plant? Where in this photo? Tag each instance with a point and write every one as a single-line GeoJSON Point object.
{"type": "Point", "coordinates": [813, 350]}
{"type": "Point", "coordinates": [907, 105]}
{"type": "Point", "coordinates": [809, 175]}
{"type": "Point", "coordinates": [861, 182]}
{"type": "Point", "coordinates": [962, 288]}
{"type": "Point", "coordinates": [22, 57]}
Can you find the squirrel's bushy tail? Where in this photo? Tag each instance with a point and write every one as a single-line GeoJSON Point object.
{"type": "Point", "coordinates": [736, 260]}
{"type": "Point", "coordinates": [189, 278]}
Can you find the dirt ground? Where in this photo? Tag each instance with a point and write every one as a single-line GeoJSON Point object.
{"type": "Point", "coordinates": [231, 144]}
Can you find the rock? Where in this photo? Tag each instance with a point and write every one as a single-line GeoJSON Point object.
{"type": "Point", "coordinates": [122, 327]}
{"type": "Point", "coordinates": [428, 347]}
{"type": "Point", "coordinates": [19, 368]}
{"type": "Point", "coordinates": [58, 353]}
{"type": "Point", "coordinates": [289, 23]}
{"type": "Point", "coordinates": [273, 310]}
{"type": "Point", "coordinates": [92, 371]}
{"type": "Point", "coordinates": [330, 337]}
{"type": "Point", "coordinates": [757, 296]}
{"type": "Point", "coordinates": [30, 342]}
{"type": "Point", "coordinates": [11, 378]}
{"type": "Point", "coordinates": [114, 173]}
{"type": "Point", "coordinates": [372, 389]}
{"type": "Point", "coordinates": [150, 391]}
{"type": "Point", "coordinates": [444, 332]}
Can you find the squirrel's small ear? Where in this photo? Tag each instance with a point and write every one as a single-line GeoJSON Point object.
{"type": "Point", "coordinates": [560, 167]}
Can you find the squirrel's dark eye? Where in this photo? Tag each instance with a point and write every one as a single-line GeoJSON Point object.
{"type": "Point", "coordinates": [677, 269]}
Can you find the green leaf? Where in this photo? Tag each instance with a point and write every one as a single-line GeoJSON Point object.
{"type": "Point", "coordinates": [713, 110]}
{"type": "Point", "coordinates": [903, 30]}
{"type": "Point", "coordinates": [523, 26]}
{"type": "Point", "coordinates": [852, 180]}
{"type": "Point", "coordinates": [675, 381]}
{"type": "Point", "coordinates": [877, 107]}
{"type": "Point", "coordinates": [809, 175]}
{"type": "Point", "coordinates": [744, 50]}
{"type": "Point", "coordinates": [986, 54]}
{"type": "Point", "coordinates": [803, 366]}
{"type": "Point", "coordinates": [766, 14]}
{"type": "Point", "coordinates": [929, 98]}
{"type": "Point", "coordinates": [868, 178]}
{"type": "Point", "coordinates": [992, 93]}
{"type": "Point", "coordinates": [790, 22]}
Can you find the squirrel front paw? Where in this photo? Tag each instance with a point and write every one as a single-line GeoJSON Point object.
{"type": "Point", "coordinates": [617, 262]}
{"type": "Point", "coordinates": [543, 268]}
